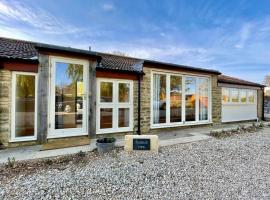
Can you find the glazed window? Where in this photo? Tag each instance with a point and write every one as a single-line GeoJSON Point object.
{"type": "Point", "coordinates": [24, 107]}
{"type": "Point", "coordinates": [114, 105]}
{"type": "Point", "coordinates": [235, 95]}
{"type": "Point", "coordinates": [243, 96]}
{"type": "Point", "coordinates": [251, 98]}
{"type": "Point", "coordinates": [225, 95]}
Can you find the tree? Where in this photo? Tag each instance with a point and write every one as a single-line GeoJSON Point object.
{"type": "Point", "coordinates": [267, 80]}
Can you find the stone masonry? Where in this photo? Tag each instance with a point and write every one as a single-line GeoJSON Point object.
{"type": "Point", "coordinates": [5, 106]}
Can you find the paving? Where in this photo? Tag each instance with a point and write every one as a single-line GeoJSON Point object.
{"type": "Point", "coordinates": [166, 138]}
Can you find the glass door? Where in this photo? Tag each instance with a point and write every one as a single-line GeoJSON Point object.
{"type": "Point", "coordinates": [69, 98]}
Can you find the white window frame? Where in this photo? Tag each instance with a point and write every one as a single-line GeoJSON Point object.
{"type": "Point", "coordinates": [59, 133]}
{"type": "Point", "coordinates": [183, 122]}
{"type": "Point", "coordinates": [115, 105]}
{"type": "Point", "coordinates": [239, 96]}
{"type": "Point", "coordinates": [13, 137]}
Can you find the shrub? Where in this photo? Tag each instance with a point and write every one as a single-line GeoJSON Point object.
{"type": "Point", "coordinates": [106, 140]}
{"type": "Point", "coordinates": [11, 162]}
{"type": "Point", "coordinates": [81, 154]}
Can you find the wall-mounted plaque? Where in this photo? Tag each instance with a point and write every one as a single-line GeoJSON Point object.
{"type": "Point", "coordinates": [141, 144]}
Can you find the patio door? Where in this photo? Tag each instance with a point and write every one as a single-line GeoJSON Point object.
{"type": "Point", "coordinates": [68, 97]}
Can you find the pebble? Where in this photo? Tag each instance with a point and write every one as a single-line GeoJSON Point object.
{"type": "Point", "coordinates": [236, 167]}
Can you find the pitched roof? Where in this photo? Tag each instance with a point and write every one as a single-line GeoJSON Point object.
{"type": "Point", "coordinates": [19, 49]}
{"type": "Point", "coordinates": [237, 81]}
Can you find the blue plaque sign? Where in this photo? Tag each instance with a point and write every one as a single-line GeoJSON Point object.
{"type": "Point", "coordinates": [141, 144]}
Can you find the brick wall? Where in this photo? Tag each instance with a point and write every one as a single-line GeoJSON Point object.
{"type": "Point", "coordinates": [5, 106]}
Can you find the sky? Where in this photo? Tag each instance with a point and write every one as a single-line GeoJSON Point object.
{"type": "Point", "coordinates": [232, 36]}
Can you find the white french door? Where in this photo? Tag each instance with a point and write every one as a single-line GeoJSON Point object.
{"type": "Point", "coordinates": [68, 102]}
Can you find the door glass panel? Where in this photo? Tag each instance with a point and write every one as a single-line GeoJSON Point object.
{"type": "Point", "coordinates": [106, 118]}
{"type": "Point", "coordinates": [176, 99]}
{"type": "Point", "coordinates": [123, 117]}
{"type": "Point", "coordinates": [25, 106]}
{"type": "Point", "coordinates": [203, 99]}
{"type": "Point", "coordinates": [159, 98]}
{"type": "Point", "coordinates": [69, 91]}
{"type": "Point", "coordinates": [106, 92]}
{"type": "Point", "coordinates": [190, 88]}
{"type": "Point", "coordinates": [123, 92]}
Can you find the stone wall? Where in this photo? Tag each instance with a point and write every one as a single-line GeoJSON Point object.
{"type": "Point", "coordinates": [216, 101]}
{"type": "Point", "coordinates": [5, 106]}
{"type": "Point", "coordinates": [260, 105]}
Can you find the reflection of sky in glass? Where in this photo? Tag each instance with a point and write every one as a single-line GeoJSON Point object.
{"type": "Point", "coordinates": [190, 85]}
{"type": "Point", "coordinates": [61, 77]}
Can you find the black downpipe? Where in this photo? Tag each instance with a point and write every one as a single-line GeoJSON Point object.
{"type": "Point", "coordinates": [139, 104]}
{"type": "Point", "coordinates": [263, 105]}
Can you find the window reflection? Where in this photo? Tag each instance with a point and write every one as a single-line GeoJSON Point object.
{"type": "Point", "coordinates": [123, 117]}
{"type": "Point", "coordinates": [69, 91]}
{"type": "Point", "coordinates": [203, 99]}
{"type": "Point", "coordinates": [225, 95]}
{"type": "Point", "coordinates": [106, 92]}
{"type": "Point", "coordinates": [106, 118]}
{"type": "Point", "coordinates": [190, 85]}
{"type": "Point", "coordinates": [243, 96]}
{"type": "Point", "coordinates": [176, 99]}
{"type": "Point", "coordinates": [235, 95]}
{"type": "Point", "coordinates": [25, 106]}
{"type": "Point", "coordinates": [123, 89]}
{"type": "Point", "coordinates": [159, 99]}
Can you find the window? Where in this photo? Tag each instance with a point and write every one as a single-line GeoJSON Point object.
{"type": "Point", "coordinates": [175, 98]}
{"type": "Point", "coordinates": [225, 95]}
{"type": "Point", "coordinates": [190, 83]}
{"type": "Point", "coordinates": [114, 105]}
{"type": "Point", "coordinates": [24, 107]}
{"type": "Point", "coordinates": [251, 97]}
{"type": "Point", "coordinates": [179, 99]}
{"type": "Point", "coordinates": [203, 98]}
{"type": "Point", "coordinates": [235, 95]}
{"type": "Point", "coordinates": [243, 96]}
{"type": "Point", "coordinates": [159, 98]}
{"type": "Point", "coordinates": [238, 96]}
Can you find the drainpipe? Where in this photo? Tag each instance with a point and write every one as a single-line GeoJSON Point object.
{"type": "Point", "coordinates": [263, 105]}
{"type": "Point", "coordinates": [139, 104]}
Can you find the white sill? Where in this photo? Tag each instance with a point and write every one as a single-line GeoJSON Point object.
{"type": "Point", "coordinates": [65, 135]}
{"type": "Point", "coordinates": [113, 131]}
{"type": "Point", "coordinates": [180, 125]}
{"type": "Point", "coordinates": [23, 139]}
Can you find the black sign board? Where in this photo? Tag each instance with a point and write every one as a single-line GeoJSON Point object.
{"type": "Point", "coordinates": [141, 144]}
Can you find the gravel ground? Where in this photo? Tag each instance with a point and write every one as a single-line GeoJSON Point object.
{"type": "Point", "coordinates": [237, 167]}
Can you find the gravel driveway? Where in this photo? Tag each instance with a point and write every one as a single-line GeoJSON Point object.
{"type": "Point", "coordinates": [237, 167]}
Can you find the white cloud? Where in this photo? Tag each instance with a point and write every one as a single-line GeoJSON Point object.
{"type": "Point", "coordinates": [36, 18]}
{"type": "Point", "coordinates": [108, 7]}
{"type": "Point", "coordinates": [244, 35]}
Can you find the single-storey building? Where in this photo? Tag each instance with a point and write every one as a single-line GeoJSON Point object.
{"type": "Point", "coordinates": [50, 92]}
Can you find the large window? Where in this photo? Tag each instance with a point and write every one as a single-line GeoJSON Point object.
{"type": "Point", "coordinates": [114, 105]}
{"type": "Point", "coordinates": [238, 96]}
{"type": "Point", "coordinates": [24, 106]}
{"type": "Point", "coordinates": [179, 99]}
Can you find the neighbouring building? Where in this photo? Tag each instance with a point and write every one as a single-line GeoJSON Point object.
{"type": "Point", "coordinates": [50, 93]}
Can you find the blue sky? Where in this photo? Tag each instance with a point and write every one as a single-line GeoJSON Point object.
{"type": "Point", "coordinates": [232, 36]}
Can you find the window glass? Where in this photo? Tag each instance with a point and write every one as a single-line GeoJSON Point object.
{"type": "Point", "coordinates": [225, 95]}
{"type": "Point", "coordinates": [243, 96]}
{"type": "Point", "coordinates": [235, 95]}
{"type": "Point", "coordinates": [159, 98]}
{"type": "Point", "coordinates": [123, 117]}
{"type": "Point", "coordinates": [190, 89]}
{"type": "Point", "coordinates": [25, 105]}
{"type": "Point", "coordinates": [123, 91]}
{"type": "Point", "coordinates": [203, 98]}
{"type": "Point", "coordinates": [106, 92]}
{"type": "Point", "coordinates": [69, 91]}
{"type": "Point", "coordinates": [106, 118]}
{"type": "Point", "coordinates": [251, 97]}
{"type": "Point", "coordinates": [176, 99]}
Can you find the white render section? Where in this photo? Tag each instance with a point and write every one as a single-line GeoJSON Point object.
{"type": "Point", "coordinates": [232, 111]}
